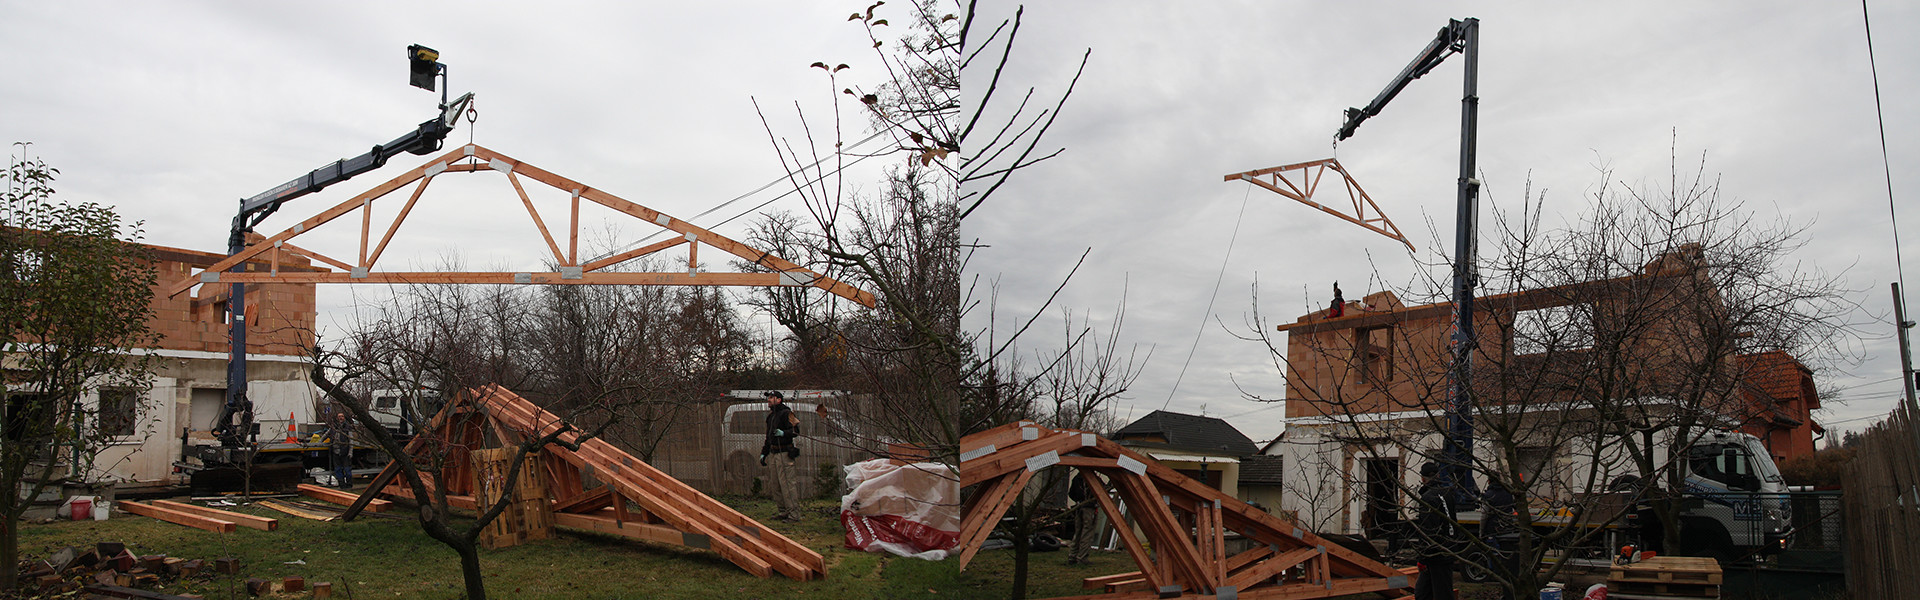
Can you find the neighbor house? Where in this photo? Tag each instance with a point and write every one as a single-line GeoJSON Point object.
{"type": "Point", "coordinates": [1204, 448]}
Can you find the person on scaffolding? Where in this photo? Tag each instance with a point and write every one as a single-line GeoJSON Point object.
{"type": "Point", "coordinates": [340, 441]}
{"type": "Point", "coordinates": [782, 428]}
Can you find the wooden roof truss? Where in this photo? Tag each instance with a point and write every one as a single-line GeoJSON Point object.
{"type": "Point", "coordinates": [668, 511]}
{"type": "Point", "coordinates": [1299, 181]}
{"type": "Point", "coordinates": [1185, 522]}
{"type": "Point", "coordinates": [476, 159]}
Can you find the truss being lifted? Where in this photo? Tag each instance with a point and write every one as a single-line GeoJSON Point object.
{"type": "Point", "coordinates": [471, 159]}
{"type": "Point", "coordinates": [671, 512]}
{"type": "Point", "coordinates": [1310, 174]}
{"type": "Point", "coordinates": [1184, 553]}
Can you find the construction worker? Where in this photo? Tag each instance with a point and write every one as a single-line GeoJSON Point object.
{"type": "Point", "coordinates": [1436, 538]}
{"type": "Point", "coordinates": [1498, 528]}
{"type": "Point", "coordinates": [340, 441]}
{"type": "Point", "coordinates": [782, 428]}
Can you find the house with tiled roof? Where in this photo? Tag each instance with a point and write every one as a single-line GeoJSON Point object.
{"type": "Point", "coordinates": [1205, 448]}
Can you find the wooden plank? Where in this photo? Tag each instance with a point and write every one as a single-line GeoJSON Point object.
{"type": "Point", "coordinates": [586, 502]}
{"type": "Point", "coordinates": [177, 517]}
{"type": "Point", "coordinates": [243, 520]}
{"type": "Point", "coordinates": [397, 220]}
{"type": "Point", "coordinates": [1134, 548]}
{"type": "Point", "coordinates": [991, 509]}
{"type": "Point", "coordinates": [606, 524]}
{"type": "Point", "coordinates": [296, 511]}
{"type": "Point", "coordinates": [340, 498]}
{"type": "Point", "coordinates": [1262, 570]}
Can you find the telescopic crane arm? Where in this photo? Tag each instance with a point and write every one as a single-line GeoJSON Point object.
{"type": "Point", "coordinates": [1460, 36]}
{"type": "Point", "coordinates": [1452, 39]}
{"type": "Point", "coordinates": [423, 140]}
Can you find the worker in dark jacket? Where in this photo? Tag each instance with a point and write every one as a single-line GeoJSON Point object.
{"type": "Point", "coordinates": [782, 428]}
{"type": "Point", "coordinates": [1438, 537]}
{"type": "Point", "coordinates": [340, 442]}
{"type": "Point", "coordinates": [1498, 527]}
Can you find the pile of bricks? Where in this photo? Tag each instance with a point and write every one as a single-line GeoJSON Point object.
{"type": "Point", "coordinates": [110, 570]}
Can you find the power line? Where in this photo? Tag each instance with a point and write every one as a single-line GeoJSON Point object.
{"type": "Point", "coordinates": [1210, 298]}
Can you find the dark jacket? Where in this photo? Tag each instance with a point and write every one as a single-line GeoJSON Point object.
{"type": "Point", "coordinates": [340, 435]}
{"type": "Point", "coordinates": [1439, 534]}
{"type": "Point", "coordinates": [780, 432]}
{"type": "Point", "coordinates": [1497, 519]}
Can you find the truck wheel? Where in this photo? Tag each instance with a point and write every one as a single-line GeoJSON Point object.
{"type": "Point", "coordinates": [1473, 569]}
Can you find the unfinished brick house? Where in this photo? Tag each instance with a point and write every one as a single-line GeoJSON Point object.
{"type": "Point", "coordinates": [189, 384]}
{"type": "Point", "coordinates": [1366, 390]}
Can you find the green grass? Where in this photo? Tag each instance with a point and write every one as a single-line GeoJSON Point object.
{"type": "Point", "coordinates": [380, 558]}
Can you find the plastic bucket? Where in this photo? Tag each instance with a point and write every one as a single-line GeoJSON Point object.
{"type": "Point", "coordinates": [100, 511]}
{"type": "Point", "coordinates": [1552, 593]}
{"type": "Point", "coordinates": [82, 507]}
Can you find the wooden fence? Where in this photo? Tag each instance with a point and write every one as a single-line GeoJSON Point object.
{"type": "Point", "coordinates": [1883, 511]}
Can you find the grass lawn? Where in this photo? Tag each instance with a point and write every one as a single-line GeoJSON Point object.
{"type": "Point", "coordinates": [381, 558]}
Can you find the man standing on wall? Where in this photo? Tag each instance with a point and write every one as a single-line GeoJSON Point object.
{"type": "Point", "coordinates": [340, 441]}
{"type": "Point", "coordinates": [782, 427]}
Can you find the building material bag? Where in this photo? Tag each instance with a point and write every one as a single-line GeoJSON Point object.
{"type": "Point", "coordinates": [911, 510]}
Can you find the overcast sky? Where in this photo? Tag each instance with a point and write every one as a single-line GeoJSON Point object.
{"type": "Point", "coordinates": [1778, 95]}
{"type": "Point", "coordinates": [173, 111]}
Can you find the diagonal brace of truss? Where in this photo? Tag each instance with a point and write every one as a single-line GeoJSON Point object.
{"type": "Point", "coordinates": [1299, 181]}
{"type": "Point", "coordinates": [474, 159]}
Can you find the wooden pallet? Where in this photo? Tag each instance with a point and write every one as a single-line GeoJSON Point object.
{"type": "Point", "coordinates": [1665, 577]}
{"type": "Point", "coordinates": [1185, 522]}
{"type": "Point", "coordinates": [1669, 569]}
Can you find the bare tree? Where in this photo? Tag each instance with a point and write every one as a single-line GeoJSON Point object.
{"type": "Point", "coordinates": [456, 339]}
{"type": "Point", "coordinates": [1608, 345]}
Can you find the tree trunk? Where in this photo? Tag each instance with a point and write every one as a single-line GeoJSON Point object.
{"type": "Point", "coordinates": [9, 549]}
{"type": "Point", "coordinates": [470, 569]}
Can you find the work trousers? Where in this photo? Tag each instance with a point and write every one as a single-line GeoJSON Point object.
{"type": "Point", "coordinates": [342, 467]}
{"type": "Point", "coordinates": [1435, 583]}
{"type": "Point", "coordinates": [781, 485]}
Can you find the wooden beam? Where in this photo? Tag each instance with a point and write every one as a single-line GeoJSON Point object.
{"type": "Point", "coordinates": [339, 497]}
{"type": "Point", "coordinates": [241, 519]}
{"type": "Point", "coordinates": [523, 278]}
{"type": "Point", "coordinates": [632, 254]}
{"type": "Point", "coordinates": [537, 222]}
{"type": "Point", "coordinates": [397, 220]}
{"type": "Point", "coordinates": [177, 517]}
{"type": "Point", "coordinates": [1120, 525]}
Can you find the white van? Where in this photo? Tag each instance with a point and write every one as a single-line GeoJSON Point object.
{"type": "Point", "coordinates": [824, 438]}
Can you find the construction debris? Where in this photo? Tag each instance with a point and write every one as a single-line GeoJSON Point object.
{"type": "Point", "coordinates": [109, 570]}
{"type": "Point", "coordinates": [669, 511]}
{"type": "Point", "coordinates": [1184, 553]}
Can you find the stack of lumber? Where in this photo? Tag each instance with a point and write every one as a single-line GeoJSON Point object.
{"type": "Point", "coordinates": [634, 500]}
{"type": "Point", "coordinates": [1665, 578]}
{"type": "Point", "coordinates": [1185, 522]}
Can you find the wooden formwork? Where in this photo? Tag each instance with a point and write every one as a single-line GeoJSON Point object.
{"type": "Point", "coordinates": [1185, 523]}
{"type": "Point", "coordinates": [598, 488]}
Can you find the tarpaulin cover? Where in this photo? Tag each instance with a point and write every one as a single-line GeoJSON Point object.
{"type": "Point", "coordinates": [911, 510]}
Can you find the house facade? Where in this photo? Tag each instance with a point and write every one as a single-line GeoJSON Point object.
{"type": "Point", "coordinates": [188, 388]}
{"type": "Point", "coordinates": [1367, 390]}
